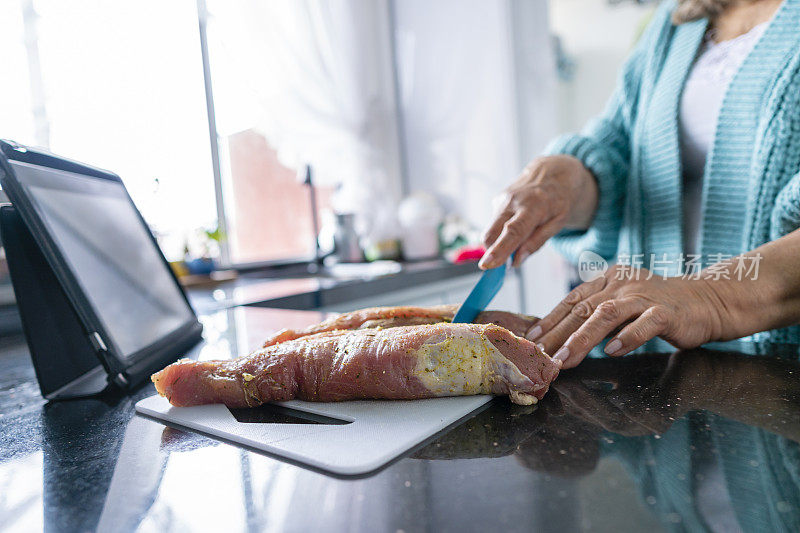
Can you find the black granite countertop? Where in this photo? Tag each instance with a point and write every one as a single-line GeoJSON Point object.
{"type": "Point", "coordinates": [688, 441]}
{"type": "Point", "coordinates": [301, 287]}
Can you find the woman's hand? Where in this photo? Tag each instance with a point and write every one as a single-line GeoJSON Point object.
{"type": "Point", "coordinates": [553, 192]}
{"type": "Point", "coordinates": [684, 312]}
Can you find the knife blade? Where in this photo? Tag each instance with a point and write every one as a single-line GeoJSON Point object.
{"type": "Point", "coordinates": [481, 295]}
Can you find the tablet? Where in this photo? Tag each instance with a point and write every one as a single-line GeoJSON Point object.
{"type": "Point", "coordinates": [104, 256]}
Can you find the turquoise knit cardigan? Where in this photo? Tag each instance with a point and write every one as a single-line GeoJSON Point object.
{"type": "Point", "coordinates": [751, 184]}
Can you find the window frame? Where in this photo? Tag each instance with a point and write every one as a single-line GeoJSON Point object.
{"type": "Point", "coordinates": [216, 163]}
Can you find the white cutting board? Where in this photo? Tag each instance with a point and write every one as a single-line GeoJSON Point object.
{"type": "Point", "coordinates": [381, 430]}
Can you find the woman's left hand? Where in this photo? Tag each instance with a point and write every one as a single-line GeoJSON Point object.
{"type": "Point", "coordinates": [684, 312]}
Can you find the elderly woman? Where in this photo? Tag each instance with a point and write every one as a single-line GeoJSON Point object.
{"type": "Point", "coordinates": [692, 173]}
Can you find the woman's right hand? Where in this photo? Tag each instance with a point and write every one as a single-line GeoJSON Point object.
{"type": "Point", "coordinates": [552, 193]}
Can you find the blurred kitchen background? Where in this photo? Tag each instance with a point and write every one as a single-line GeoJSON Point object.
{"type": "Point", "coordinates": [275, 146]}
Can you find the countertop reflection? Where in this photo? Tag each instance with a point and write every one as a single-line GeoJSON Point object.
{"type": "Point", "coordinates": [688, 441]}
{"type": "Point", "coordinates": [311, 287]}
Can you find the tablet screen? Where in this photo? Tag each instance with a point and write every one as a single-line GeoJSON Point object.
{"type": "Point", "coordinates": [110, 252]}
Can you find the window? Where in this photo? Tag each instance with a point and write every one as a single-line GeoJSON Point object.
{"type": "Point", "coordinates": [118, 85]}
{"type": "Point", "coordinates": [123, 86]}
{"type": "Point", "coordinates": [267, 205]}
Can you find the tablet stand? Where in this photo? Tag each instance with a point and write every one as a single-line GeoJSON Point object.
{"type": "Point", "coordinates": [64, 357]}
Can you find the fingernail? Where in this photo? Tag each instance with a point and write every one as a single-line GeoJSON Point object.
{"type": "Point", "coordinates": [562, 354]}
{"type": "Point", "coordinates": [534, 333]}
{"type": "Point", "coordinates": [540, 346]}
{"type": "Point", "coordinates": [485, 261]}
{"type": "Point", "coordinates": [613, 347]}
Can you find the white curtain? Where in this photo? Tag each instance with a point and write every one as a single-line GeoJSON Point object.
{"type": "Point", "coordinates": [321, 74]}
{"type": "Point", "coordinates": [460, 85]}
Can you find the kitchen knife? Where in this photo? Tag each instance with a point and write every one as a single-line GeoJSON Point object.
{"type": "Point", "coordinates": [487, 287]}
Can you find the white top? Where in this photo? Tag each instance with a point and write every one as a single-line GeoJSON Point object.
{"type": "Point", "coordinates": [712, 72]}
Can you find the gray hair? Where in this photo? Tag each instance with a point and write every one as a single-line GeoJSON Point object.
{"type": "Point", "coordinates": [689, 10]}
